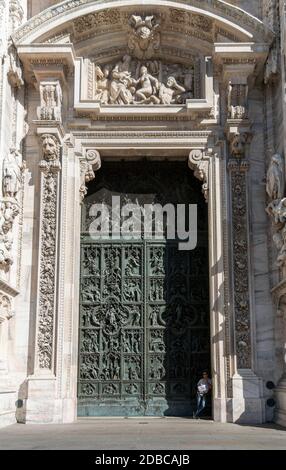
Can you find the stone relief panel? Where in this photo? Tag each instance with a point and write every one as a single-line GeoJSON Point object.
{"type": "Point", "coordinates": [51, 101]}
{"type": "Point", "coordinates": [276, 209]}
{"type": "Point", "coordinates": [130, 81]}
{"type": "Point", "coordinates": [12, 184]}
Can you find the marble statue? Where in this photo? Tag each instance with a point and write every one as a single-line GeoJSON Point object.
{"type": "Point", "coordinates": [275, 178]}
{"type": "Point", "coordinates": [12, 174]}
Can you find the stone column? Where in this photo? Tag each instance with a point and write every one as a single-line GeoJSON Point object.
{"type": "Point", "coordinates": [247, 405]}
{"type": "Point", "coordinates": [41, 385]}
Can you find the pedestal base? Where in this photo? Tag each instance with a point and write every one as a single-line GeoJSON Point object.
{"type": "Point", "coordinates": [280, 395]}
{"type": "Point", "coordinates": [247, 404]}
{"type": "Point", "coordinates": [39, 405]}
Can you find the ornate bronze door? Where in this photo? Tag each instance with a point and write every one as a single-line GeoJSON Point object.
{"type": "Point", "coordinates": [144, 309]}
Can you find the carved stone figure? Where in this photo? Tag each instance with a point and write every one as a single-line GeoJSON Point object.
{"type": "Point", "coordinates": [169, 93]}
{"type": "Point", "coordinates": [6, 242]}
{"type": "Point", "coordinates": [15, 74]}
{"type": "Point", "coordinates": [12, 174]}
{"type": "Point", "coordinates": [275, 178]}
{"type": "Point", "coordinates": [144, 38]}
{"type": "Point", "coordinates": [149, 86]}
{"type": "Point", "coordinates": [237, 101]}
{"type": "Point", "coordinates": [237, 145]}
{"type": "Point", "coordinates": [51, 101]}
{"type": "Point", "coordinates": [131, 82]}
{"type": "Point", "coordinates": [102, 84]}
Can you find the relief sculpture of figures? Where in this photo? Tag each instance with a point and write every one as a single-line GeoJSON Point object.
{"type": "Point", "coordinates": [12, 183]}
{"type": "Point", "coordinates": [132, 82]}
{"type": "Point", "coordinates": [51, 101]}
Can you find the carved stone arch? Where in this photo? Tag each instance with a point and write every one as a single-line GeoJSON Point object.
{"type": "Point", "coordinates": [61, 17]}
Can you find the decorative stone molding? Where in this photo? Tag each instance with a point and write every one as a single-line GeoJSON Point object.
{"type": "Point", "coordinates": [144, 37]}
{"type": "Point", "coordinates": [50, 167]}
{"type": "Point", "coordinates": [200, 165]}
{"type": "Point", "coordinates": [238, 167]}
{"type": "Point", "coordinates": [88, 166]}
{"type": "Point", "coordinates": [51, 101]}
{"type": "Point", "coordinates": [240, 20]}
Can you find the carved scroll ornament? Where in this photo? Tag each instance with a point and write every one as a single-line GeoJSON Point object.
{"type": "Point", "coordinates": [89, 165]}
{"type": "Point", "coordinates": [200, 166]}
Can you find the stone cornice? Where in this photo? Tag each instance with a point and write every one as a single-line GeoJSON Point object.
{"type": "Point", "coordinates": [59, 14]}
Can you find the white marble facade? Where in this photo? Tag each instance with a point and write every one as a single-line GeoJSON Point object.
{"type": "Point", "coordinates": [82, 81]}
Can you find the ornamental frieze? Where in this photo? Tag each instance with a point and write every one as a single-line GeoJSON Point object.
{"type": "Point", "coordinates": [217, 7]}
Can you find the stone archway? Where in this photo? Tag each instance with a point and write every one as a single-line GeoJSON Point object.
{"type": "Point", "coordinates": [75, 124]}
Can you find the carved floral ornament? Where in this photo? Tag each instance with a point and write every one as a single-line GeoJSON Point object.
{"type": "Point", "coordinates": [50, 167]}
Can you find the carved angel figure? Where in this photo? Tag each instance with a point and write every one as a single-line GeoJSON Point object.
{"type": "Point", "coordinates": [275, 178]}
{"type": "Point", "coordinates": [12, 174]}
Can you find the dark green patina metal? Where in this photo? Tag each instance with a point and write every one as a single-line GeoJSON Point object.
{"type": "Point", "coordinates": [144, 308]}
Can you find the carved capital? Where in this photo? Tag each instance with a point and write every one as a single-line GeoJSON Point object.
{"type": "Point", "coordinates": [88, 166]}
{"type": "Point", "coordinates": [200, 165]}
